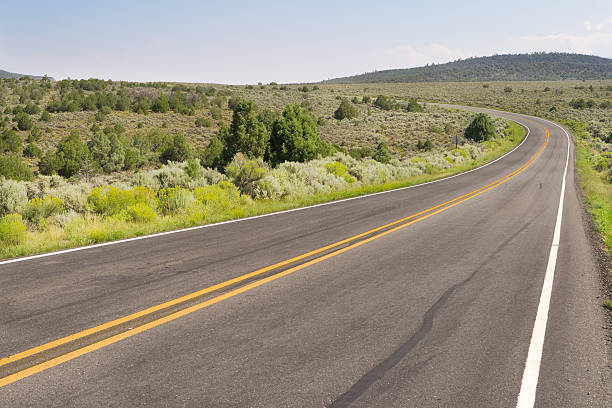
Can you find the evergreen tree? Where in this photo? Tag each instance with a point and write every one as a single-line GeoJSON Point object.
{"type": "Point", "coordinates": [382, 155]}
{"type": "Point", "coordinates": [346, 110]}
{"type": "Point", "coordinates": [210, 156]}
{"type": "Point", "coordinates": [385, 103]}
{"type": "Point", "coordinates": [68, 159]}
{"type": "Point", "coordinates": [108, 150]}
{"type": "Point", "coordinates": [177, 150]}
{"type": "Point", "coordinates": [294, 137]}
{"type": "Point", "coordinates": [480, 129]}
{"type": "Point", "coordinates": [24, 122]}
{"type": "Point", "coordinates": [161, 104]}
{"type": "Point", "coordinates": [10, 141]}
{"type": "Point", "coordinates": [246, 133]}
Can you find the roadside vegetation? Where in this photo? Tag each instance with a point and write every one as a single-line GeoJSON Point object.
{"type": "Point", "coordinates": [89, 161]}
{"type": "Point", "coordinates": [585, 107]}
{"type": "Point", "coordinates": [594, 164]}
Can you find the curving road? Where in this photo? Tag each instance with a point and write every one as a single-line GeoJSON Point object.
{"type": "Point", "coordinates": [419, 297]}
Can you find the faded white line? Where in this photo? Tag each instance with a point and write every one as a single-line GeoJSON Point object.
{"type": "Point", "coordinates": [529, 385]}
{"type": "Point", "coordinates": [160, 234]}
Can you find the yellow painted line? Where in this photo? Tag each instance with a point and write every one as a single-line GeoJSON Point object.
{"type": "Point", "coordinates": [193, 295]}
{"type": "Point", "coordinates": [131, 332]}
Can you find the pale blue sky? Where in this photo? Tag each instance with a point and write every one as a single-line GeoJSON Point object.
{"type": "Point", "coordinates": [243, 42]}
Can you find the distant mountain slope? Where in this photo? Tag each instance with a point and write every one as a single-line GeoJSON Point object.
{"type": "Point", "coordinates": [509, 67]}
{"type": "Point", "coordinates": [6, 74]}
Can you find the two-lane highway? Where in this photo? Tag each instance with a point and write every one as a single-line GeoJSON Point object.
{"type": "Point", "coordinates": [424, 296]}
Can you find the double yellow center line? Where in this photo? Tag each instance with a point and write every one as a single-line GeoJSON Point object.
{"type": "Point", "coordinates": [34, 354]}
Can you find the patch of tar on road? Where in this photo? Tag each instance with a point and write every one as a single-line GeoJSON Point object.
{"type": "Point", "coordinates": [379, 371]}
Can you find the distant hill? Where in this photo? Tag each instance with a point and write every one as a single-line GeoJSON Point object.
{"type": "Point", "coordinates": [6, 74]}
{"type": "Point", "coordinates": [509, 67]}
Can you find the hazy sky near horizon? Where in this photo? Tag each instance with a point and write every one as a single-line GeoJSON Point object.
{"type": "Point", "coordinates": [242, 42]}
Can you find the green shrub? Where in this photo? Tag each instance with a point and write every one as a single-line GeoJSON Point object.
{"type": "Point", "coordinates": [193, 168]}
{"type": "Point", "coordinates": [361, 153]}
{"type": "Point", "coordinates": [480, 129]}
{"type": "Point", "coordinates": [220, 101]}
{"type": "Point", "coordinates": [245, 173]}
{"type": "Point", "coordinates": [35, 135]}
{"type": "Point", "coordinates": [161, 104]}
{"type": "Point", "coordinates": [268, 117]}
{"type": "Point", "coordinates": [13, 196]}
{"type": "Point", "coordinates": [211, 154]}
{"type": "Point", "coordinates": [12, 229]}
{"type": "Point", "coordinates": [68, 159]}
{"type": "Point", "coordinates": [40, 208]}
{"type": "Point", "coordinates": [414, 106]}
{"type": "Point", "coordinates": [246, 134]}
{"type": "Point", "coordinates": [140, 212]}
{"type": "Point", "coordinates": [48, 163]}
{"type": "Point", "coordinates": [203, 122]}
{"type": "Point", "coordinates": [177, 150]}
{"type": "Point", "coordinates": [346, 110]}
{"type": "Point", "coordinates": [32, 150]}
{"type": "Point", "coordinates": [174, 199]}
{"type": "Point", "coordinates": [426, 145]}
{"type": "Point", "coordinates": [339, 170]}
{"type": "Point", "coordinates": [24, 122]}
{"type": "Point", "coordinates": [382, 154]}
{"type": "Point", "coordinates": [108, 150]}
{"type": "Point", "coordinates": [13, 167]}
{"type": "Point", "coordinates": [133, 159]}
{"type": "Point", "coordinates": [10, 141]}
{"type": "Point", "coordinates": [601, 163]}
{"type": "Point", "coordinates": [110, 200]}
{"type": "Point", "coordinates": [73, 195]}
{"type": "Point", "coordinates": [45, 116]}
{"type": "Point", "coordinates": [295, 137]}
{"type": "Point", "coordinates": [99, 116]}
{"type": "Point", "coordinates": [169, 175]}
{"type": "Point", "coordinates": [223, 195]}
{"type": "Point", "coordinates": [216, 113]}
{"type": "Point", "coordinates": [385, 103]}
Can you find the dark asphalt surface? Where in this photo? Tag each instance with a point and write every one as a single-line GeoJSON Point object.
{"type": "Point", "coordinates": [436, 314]}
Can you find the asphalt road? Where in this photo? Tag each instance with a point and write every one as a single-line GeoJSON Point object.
{"type": "Point", "coordinates": [437, 310]}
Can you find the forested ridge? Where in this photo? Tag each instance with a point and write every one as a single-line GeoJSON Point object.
{"type": "Point", "coordinates": [509, 67]}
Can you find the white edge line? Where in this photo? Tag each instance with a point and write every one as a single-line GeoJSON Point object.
{"type": "Point", "coordinates": [527, 394]}
{"type": "Point", "coordinates": [159, 234]}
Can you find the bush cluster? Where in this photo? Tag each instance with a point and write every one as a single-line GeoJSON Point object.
{"type": "Point", "coordinates": [385, 103]}
{"type": "Point", "coordinates": [12, 167]}
{"type": "Point", "coordinates": [13, 196]}
{"type": "Point", "coordinates": [40, 208]}
{"type": "Point", "coordinates": [12, 229]}
{"type": "Point", "coordinates": [111, 200]}
{"type": "Point", "coordinates": [346, 110]}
